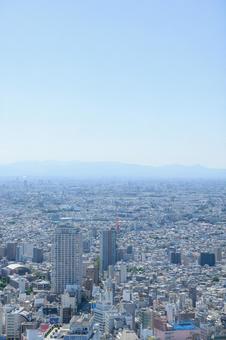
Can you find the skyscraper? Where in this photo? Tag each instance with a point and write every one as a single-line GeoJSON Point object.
{"type": "Point", "coordinates": [193, 295]}
{"type": "Point", "coordinates": [37, 255]}
{"type": "Point", "coordinates": [175, 258]}
{"type": "Point", "coordinates": [207, 258]}
{"type": "Point", "coordinates": [66, 258]}
{"type": "Point", "coordinates": [107, 249]}
{"type": "Point", "coordinates": [11, 251]}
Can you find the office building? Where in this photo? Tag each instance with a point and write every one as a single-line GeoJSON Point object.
{"type": "Point", "coordinates": [2, 252]}
{"type": "Point", "coordinates": [193, 295]}
{"type": "Point", "coordinates": [175, 258]}
{"type": "Point", "coordinates": [107, 249]}
{"type": "Point", "coordinates": [146, 318]}
{"type": "Point", "coordinates": [37, 255]}
{"type": "Point", "coordinates": [207, 258]}
{"type": "Point", "coordinates": [11, 251]}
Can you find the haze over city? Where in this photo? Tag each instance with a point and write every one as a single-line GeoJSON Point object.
{"type": "Point", "coordinates": [113, 170]}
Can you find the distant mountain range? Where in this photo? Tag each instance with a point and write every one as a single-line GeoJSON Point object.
{"type": "Point", "coordinates": [107, 170]}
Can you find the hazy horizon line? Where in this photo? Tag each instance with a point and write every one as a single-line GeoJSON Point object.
{"type": "Point", "coordinates": [112, 162]}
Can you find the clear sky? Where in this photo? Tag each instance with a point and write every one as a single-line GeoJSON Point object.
{"type": "Point", "coordinates": [119, 80]}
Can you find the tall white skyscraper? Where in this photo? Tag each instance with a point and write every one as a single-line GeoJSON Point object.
{"type": "Point", "coordinates": [66, 258]}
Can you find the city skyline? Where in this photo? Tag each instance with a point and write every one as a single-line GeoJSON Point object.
{"type": "Point", "coordinates": [134, 83]}
{"type": "Point", "coordinates": [112, 170]}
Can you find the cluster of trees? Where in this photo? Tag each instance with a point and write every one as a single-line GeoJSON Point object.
{"type": "Point", "coordinates": [136, 270]}
{"type": "Point", "coordinates": [3, 282]}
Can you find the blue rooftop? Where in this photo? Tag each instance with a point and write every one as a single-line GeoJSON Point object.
{"type": "Point", "coordinates": [184, 326]}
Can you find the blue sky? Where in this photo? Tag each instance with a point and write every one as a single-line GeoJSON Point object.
{"type": "Point", "coordinates": [131, 81]}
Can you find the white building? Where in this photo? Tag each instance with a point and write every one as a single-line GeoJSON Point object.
{"type": "Point", "coordinates": [34, 334]}
{"type": "Point", "coordinates": [13, 321]}
{"type": "Point", "coordinates": [127, 335]}
{"type": "Point", "coordinates": [81, 328]}
{"type": "Point", "coordinates": [100, 311]}
{"type": "Point", "coordinates": [66, 258]}
{"type": "Point", "coordinates": [22, 284]}
{"type": "Point", "coordinates": [25, 252]}
{"type": "Point", "coordinates": [126, 294]}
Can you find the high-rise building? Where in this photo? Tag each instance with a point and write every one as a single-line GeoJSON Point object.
{"type": "Point", "coordinates": [207, 258]}
{"type": "Point", "coordinates": [24, 252]}
{"type": "Point", "coordinates": [2, 252]}
{"type": "Point", "coordinates": [193, 295]}
{"type": "Point", "coordinates": [37, 255]}
{"type": "Point", "coordinates": [218, 254]}
{"type": "Point", "coordinates": [175, 258]}
{"type": "Point", "coordinates": [66, 258]}
{"type": "Point", "coordinates": [129, 249]}
{"type": "Point", "coordinates": [11, 251]}
{"type": "Point", "coordinates": [123, 273]}
{"type": "Point", "coordinates": [107, 249]}
{"type": "Point", "coordinates": [146, 318]}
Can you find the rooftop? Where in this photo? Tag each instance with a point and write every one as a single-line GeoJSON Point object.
{"type": "Point", "coordinates": [185, 326]}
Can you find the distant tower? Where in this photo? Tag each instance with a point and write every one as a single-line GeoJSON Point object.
{"type": "Point", "coordinates": [207, 258]}
{"type": "Point", "coordinates": [175, 258]}
{"type": "Point", "coordinates": [11, 251]}
{"type": "Point", "coordinates": [107, 249]}
{"type": "Point", "coordinates": [37, 255]}
{"type": "Point", "coordinates": [66, 258]}
{"type": "Point", "coordinates": [193, 295]}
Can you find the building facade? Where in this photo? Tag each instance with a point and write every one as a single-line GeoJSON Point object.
{"type": "Point", "coordinates": [66, 258]}
{"type": "Point", "coordinates": [107, 249]}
